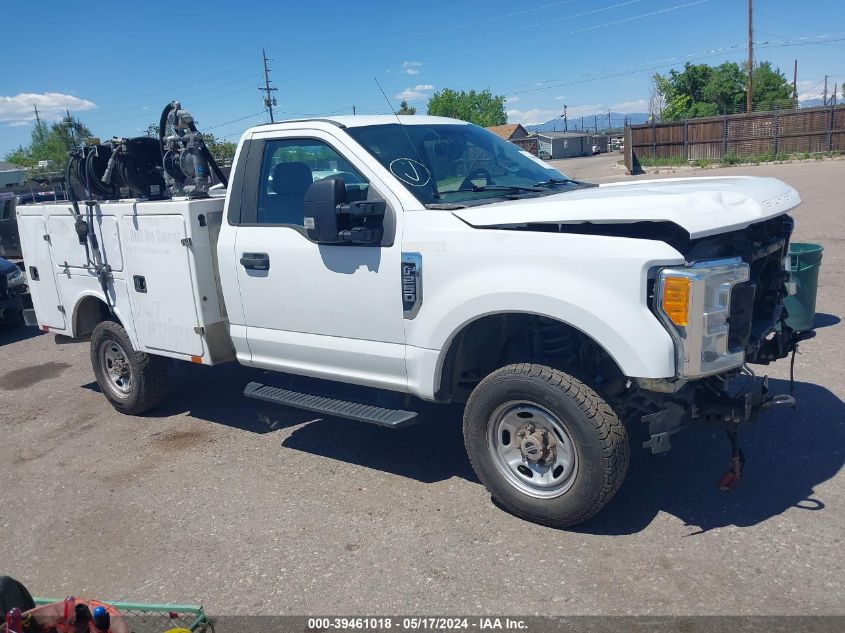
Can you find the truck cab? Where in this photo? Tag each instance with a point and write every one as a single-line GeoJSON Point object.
{"type": "Point", "coordinates": [426, 256]}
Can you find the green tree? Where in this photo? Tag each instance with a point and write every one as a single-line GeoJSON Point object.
{"type": "Point", "coordinates": [223, 151]}
{"type": "Point", "coordinates": [701, 90]}
{"type": "Point", "coordinates": [769, 88]}
{"type": "Point", "coordinates": [50, 142]}
{"type": "Point", "coordinates": [482, 108]}
{"type": "Point", "coordinates": [404, 108]}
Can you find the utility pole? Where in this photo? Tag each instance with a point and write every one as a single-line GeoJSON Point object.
{"type": "Point", "coordinates": [749, 87]}
{"type": "Point", "coordinates": [38, 128]}
{"type": "Point", "coordinates": [269, 100]}
{"type": "Point", "coordinates": [833, 96]}
{"type": "Point", "coordinates": [565, 126]}
{"type": "Point", "coordinates": [608, 121]}
{"type": "Point", "coordinates": [69, 123]}
{"type": "Point", "coordinates": [353, 110]}
{"type": "Point", "coordinates": [795, 86]}
{"type": "Point", "coordinates": [825, 90]}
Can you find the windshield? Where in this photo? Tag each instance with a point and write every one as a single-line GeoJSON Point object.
{"type": "Point", "coordinates": [454, 164]}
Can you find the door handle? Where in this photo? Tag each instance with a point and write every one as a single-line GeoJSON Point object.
{"type": "Point", "coordinates": [255, 261]}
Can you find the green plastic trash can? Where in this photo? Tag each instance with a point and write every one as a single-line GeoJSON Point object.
{"type": "Point", "coordinates": [804, 263]}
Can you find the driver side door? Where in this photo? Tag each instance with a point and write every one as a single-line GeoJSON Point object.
{"type": "Point", "coordinates": [323, 310]}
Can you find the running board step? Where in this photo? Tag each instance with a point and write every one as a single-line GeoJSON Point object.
{"type": "Point", "coordinates": [331, 406]}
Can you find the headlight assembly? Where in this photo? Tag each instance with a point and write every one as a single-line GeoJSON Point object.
{"type": "Point", "coordinates": [694, 303]}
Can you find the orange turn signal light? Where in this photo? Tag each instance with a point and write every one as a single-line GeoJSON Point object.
{"type": "Point", "coordinates": [676, 296]}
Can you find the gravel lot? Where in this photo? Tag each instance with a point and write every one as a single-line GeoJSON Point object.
{"type": "Point", "coordinates": [253, 509]}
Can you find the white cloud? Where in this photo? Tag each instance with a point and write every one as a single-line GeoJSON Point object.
{"type": "Point", "coordinates": [560, 98]}
{"type": "Point", "coordinates": [808, 90]}
{"type": "Point", "coordinates": [417, 93]}
{"type": "Point", "coordinates": [18, 110]}
{"type": "Point", "coordinates": [511, 99]}
{"type": "Point", "coordinates": [627, 107]}
{"type": "Point", "coordinates": [411, 68]}
{"type": "Point", "coordinates": [531, 117]}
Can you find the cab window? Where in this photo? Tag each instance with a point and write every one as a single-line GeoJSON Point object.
{"type": "Point", "coordinates": [288, 168]}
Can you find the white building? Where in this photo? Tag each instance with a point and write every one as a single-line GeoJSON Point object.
{"type": "Point", "coordinates": [11, 175]}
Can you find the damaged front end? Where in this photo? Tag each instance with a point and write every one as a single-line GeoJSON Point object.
{"type": "Point", "coordinates": [724, 310]}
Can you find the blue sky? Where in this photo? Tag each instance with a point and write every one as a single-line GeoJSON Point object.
{"type": "Point", "coordinates": [115, 64]}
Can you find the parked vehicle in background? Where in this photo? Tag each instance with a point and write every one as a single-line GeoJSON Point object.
{"type": "Point", "coordinates": [10, 246]}
{"type": "Point", "coordinates": [596, 150]}
{"type": "Point", "coordinates": [430, 257]}
{"type": "Point", "coordinates": [12, 288]}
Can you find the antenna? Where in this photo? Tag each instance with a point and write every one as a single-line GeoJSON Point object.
{"type": "Point", "coordinates": [407, 136]}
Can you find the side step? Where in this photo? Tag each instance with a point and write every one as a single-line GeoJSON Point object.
{"type": "Point", "coordinates": [330, 406]}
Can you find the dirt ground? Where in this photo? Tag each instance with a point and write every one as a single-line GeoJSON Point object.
{"type": "Point", "coordinates": [253, 509]}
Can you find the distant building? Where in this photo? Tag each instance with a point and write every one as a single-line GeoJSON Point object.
{"type": "Point", "coordinates": [564, 144]}
{"type": "Point", "coordinates": [516, 134]}
{"type": "Point", "coordinates": [11, 175]}
{"type": "Point", "coordinates": [510, 132]}
{"type": "Point", "coordinates": [602, 142]}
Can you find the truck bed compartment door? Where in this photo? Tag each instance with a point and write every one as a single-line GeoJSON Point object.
{"type": "Point", "coordinates": [41, 272]}
{"type": "Point", "coordinates": [160, 283]}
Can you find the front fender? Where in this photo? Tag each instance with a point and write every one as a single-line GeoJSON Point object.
{"type": "Point", "coordinates": [597, 284]}
{"type": "Point", "coordinates": [630, 335]}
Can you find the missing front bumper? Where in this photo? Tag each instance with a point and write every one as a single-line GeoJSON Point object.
{"type": "Point", "coordinates": [718, 403]}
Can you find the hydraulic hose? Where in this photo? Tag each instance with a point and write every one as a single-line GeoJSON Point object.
{"type": "Point", "coordinates": [214, 167]}
{"type": "Point", "coordinates": [162, 126]}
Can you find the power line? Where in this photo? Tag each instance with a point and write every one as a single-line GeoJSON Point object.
{"type": "Point", "coordinates": [568, 17]}
{"type": "Point", "coordinates": [225, 123]}
{"type": "Point", "coordinates": [457, 27]}
{"type": "Point", "coordinates": [606, 24]}
{"type": "Point", "coordinates": [671, 61]}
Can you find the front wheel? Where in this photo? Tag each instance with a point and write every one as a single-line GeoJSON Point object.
{"type": "Point", "coordinates": [134, 382]}
{"type": "Point", "coordinates": [546, 446]}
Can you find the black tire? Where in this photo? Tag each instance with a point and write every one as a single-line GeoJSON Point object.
{"type": "Point", "coordinates": [599, 438]}
{"type": "Point", "coordinates": [11, 318]}
{"type": "Point", "coordinates": [147, 374]}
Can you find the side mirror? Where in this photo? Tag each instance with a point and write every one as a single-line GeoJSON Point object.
{"type": "Point", "coordinates": [330, 219]}
{"type": "Point", "coordinates": [321, 202]}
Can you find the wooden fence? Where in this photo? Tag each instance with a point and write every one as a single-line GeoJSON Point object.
{"type": "Point", "coordinates": [811, 130]}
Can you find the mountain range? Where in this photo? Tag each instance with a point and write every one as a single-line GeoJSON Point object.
{"type": "Point", "coordinates": [574, 124]}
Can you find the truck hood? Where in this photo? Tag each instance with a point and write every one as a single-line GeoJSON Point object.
{"type": "Point", "coordinates": [702, 206]}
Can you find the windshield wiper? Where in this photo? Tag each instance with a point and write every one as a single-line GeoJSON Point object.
{"type": "Point", "coordinates": [445, 206]}
{"type": "Point", "coordinates": [556, 181]}
{"type": "Point", "coordinates": [477, 188]}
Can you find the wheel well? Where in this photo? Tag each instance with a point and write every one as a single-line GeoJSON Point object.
{"type": "Point", "coordinates": [496, 340]}
{"type": "Point", "coordinates": [90, 312]}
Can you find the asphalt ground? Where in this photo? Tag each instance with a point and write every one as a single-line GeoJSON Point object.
{"type": "Point", "coordinates": [254, 509]}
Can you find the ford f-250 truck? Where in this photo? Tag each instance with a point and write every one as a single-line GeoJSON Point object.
{"type": "Point", "coordinates": [426, 256]}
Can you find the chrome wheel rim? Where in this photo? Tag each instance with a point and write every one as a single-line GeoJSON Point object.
{"type": "Point", "coordinates": [115, 367]}
{"type": "Point", "coordinates": [532, 449]}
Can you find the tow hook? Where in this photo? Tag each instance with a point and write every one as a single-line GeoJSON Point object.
{"type": "Point", "coordinates": [733, 475]}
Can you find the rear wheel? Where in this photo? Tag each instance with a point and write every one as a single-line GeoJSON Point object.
{"type": "Point", "coordinates": [133, 381]}
{"type": "Point", "coordinates": [545, 445]}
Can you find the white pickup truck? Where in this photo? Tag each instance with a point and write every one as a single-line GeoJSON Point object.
{"type": "Point", "coordinates": [427, 256]}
